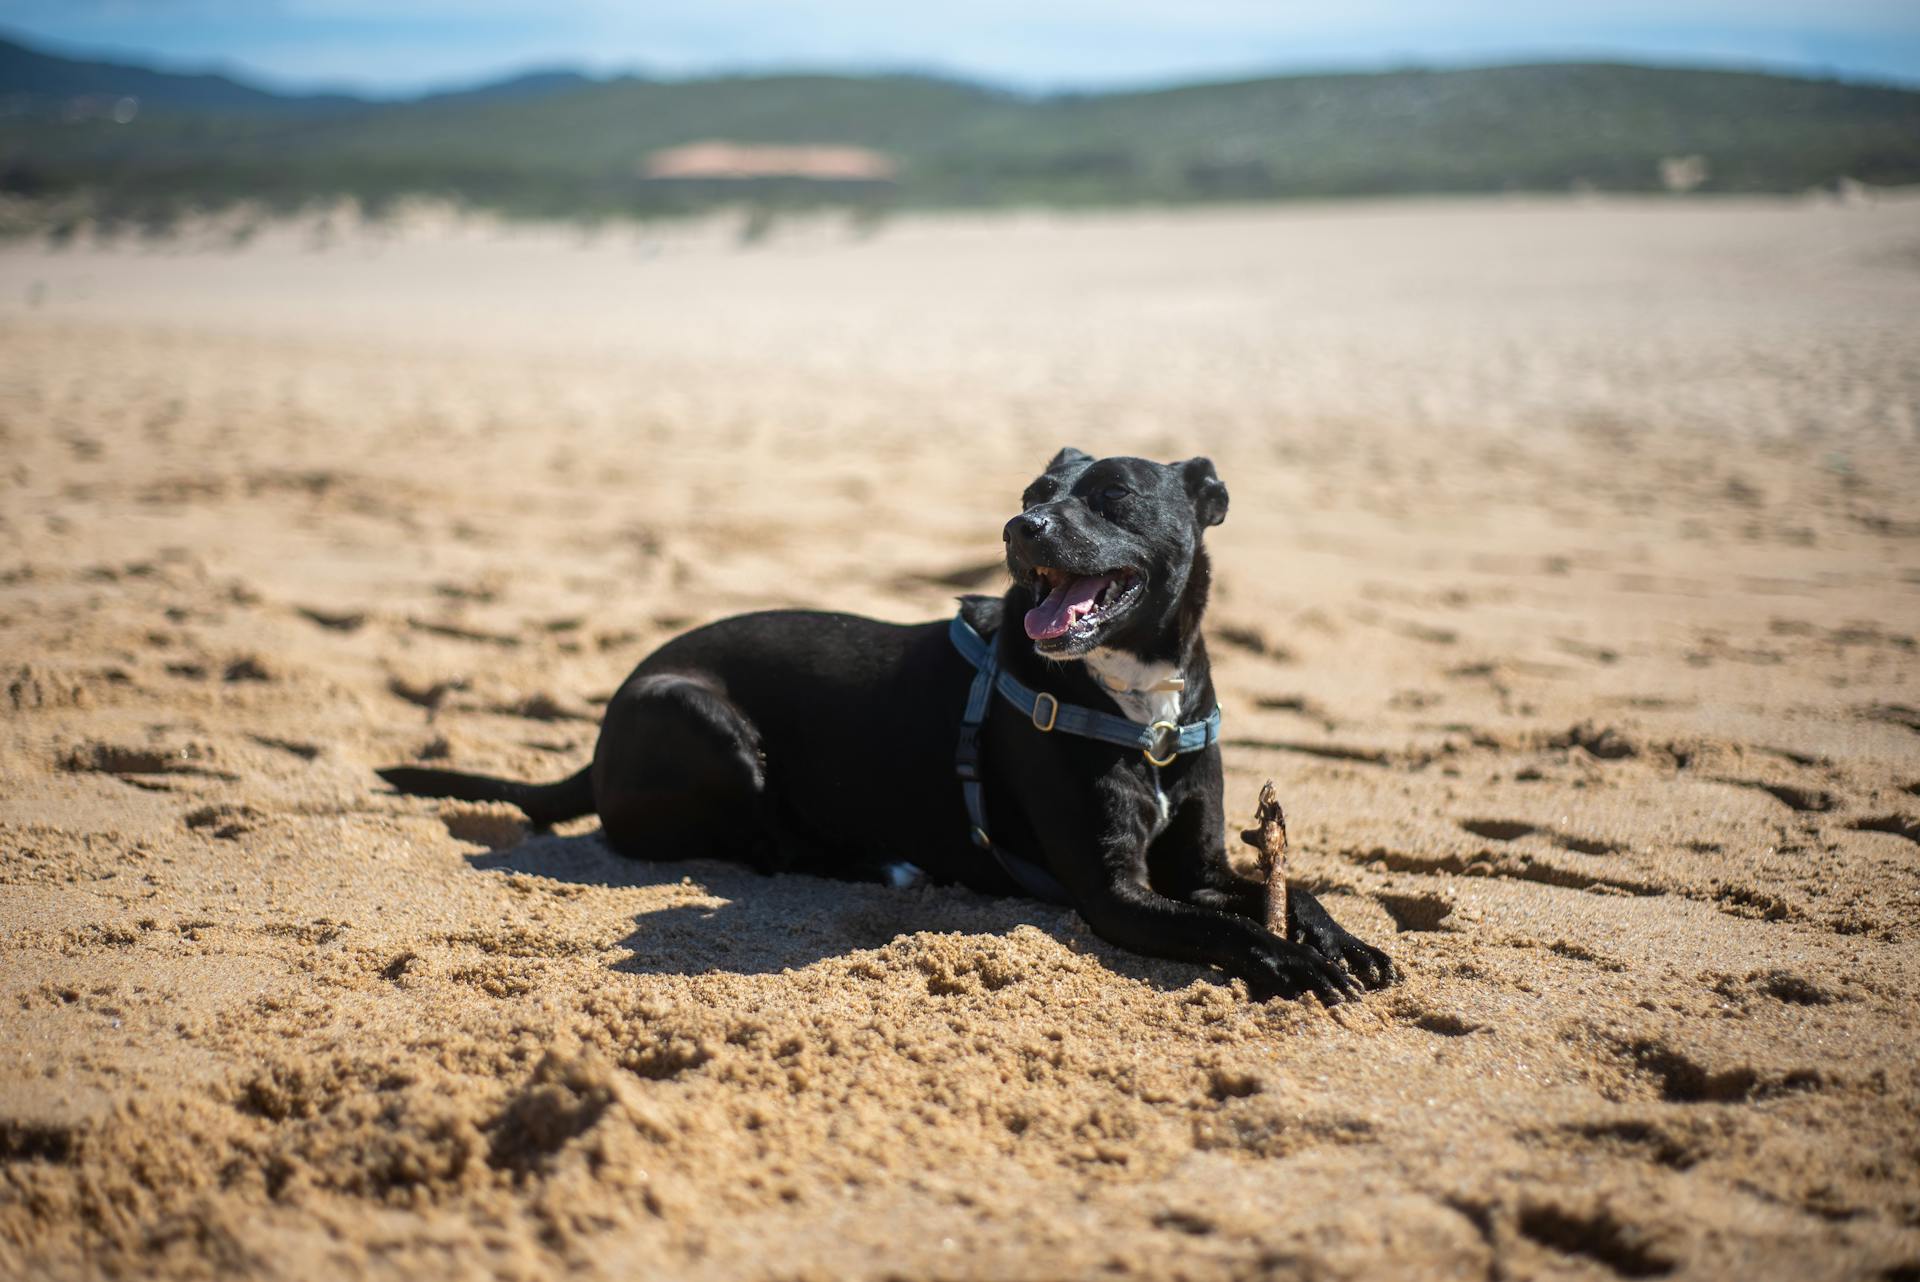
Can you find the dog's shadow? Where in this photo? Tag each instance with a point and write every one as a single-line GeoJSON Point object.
{"type": "Point", "coordinates": [763, 924]}
{"type": "Point", "coordinates": [768, 924]}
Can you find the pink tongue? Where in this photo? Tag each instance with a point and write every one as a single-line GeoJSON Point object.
{"type": "Point", "coordinates": [1053, 616]}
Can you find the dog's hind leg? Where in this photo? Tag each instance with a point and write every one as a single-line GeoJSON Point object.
{"type": "Point", "coordinates": [678, 774]}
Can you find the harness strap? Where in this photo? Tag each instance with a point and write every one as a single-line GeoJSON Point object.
{"type": "Point", "coordinates": [1047, 714]}
{"type": "Point", "coordinates": [1161, 741]}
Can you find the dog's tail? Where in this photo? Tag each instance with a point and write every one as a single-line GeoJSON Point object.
{"type": "Point", "coordinates": [544, 803]}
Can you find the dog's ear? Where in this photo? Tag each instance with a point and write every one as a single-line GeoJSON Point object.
{"type": "Point", "coordinates": [1068, 457]}
{"type": "Point", "coordinates": [1204, 487]}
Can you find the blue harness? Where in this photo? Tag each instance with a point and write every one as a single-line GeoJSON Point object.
{"type": "Point", "coordinates": [1160, 743]}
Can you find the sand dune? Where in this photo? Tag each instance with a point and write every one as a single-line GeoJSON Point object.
{"type": "Point", "coordinates": [1570, 592]}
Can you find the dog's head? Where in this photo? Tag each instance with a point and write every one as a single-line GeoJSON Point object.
{"type": "Point", "coordinates": [1109, 549]}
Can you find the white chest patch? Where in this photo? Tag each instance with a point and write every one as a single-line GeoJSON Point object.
{"type": "Point", "coordinates": [1146, 692]}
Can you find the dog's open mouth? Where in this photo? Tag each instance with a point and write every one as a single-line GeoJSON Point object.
{"type": "Point", "coordinates": [1075, 607]}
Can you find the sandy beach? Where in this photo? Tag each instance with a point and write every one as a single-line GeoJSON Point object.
{"type": "Point", "coordinates": [1570, 594]}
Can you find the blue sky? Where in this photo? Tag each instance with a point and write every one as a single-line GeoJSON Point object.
{"type": "Point", "coordinates": [402, 46]}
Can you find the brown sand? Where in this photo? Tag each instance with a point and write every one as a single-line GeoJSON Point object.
{"type": "Point", "coordinates": [1570, 592]}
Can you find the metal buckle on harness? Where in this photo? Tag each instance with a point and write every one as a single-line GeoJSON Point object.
{"type": "Point", "coordinates": [1168, 727]}
{"type": "Point", "coordinates": [1053, 711]}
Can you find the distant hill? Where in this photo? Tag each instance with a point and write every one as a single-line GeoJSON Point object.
{"type": "Point", "coordinates": [35, 82]}
{"type": "Point", "coordinates": [529, 84]}
{"type": "Point", "coordinates": [557, 143]}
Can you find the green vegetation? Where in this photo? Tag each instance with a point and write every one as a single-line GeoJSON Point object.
{"type": "Point", "coordinates": [559, 145]}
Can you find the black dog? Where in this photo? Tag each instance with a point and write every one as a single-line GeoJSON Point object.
{"type": "Point", "coordinates": [827, 743]}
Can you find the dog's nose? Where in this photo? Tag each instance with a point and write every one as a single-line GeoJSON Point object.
{"type": "Point", "coordinates": [1028, 525]}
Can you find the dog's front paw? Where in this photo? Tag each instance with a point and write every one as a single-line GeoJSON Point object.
{"type": "Point", "coordinates": [1368, 964]}
{"type": "Point", "coordinates": [1289, 970]}
{"type": "Point", "coordinates": [1310, 926]}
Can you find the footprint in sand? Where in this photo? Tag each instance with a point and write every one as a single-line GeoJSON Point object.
{"type": "Point", "coordinates": [1597, 1235]}
{"type": "Point", "coordinates": [429, 696]}
{"type": "Point", "coordinates": [334, 620]}
{"type": "Point", "coordinates": [493, 825]}
{"type": "Point", "coordinates": [144, 766]}
{"type": "Point", "coordinates": [1898, 825]}
{"type": "Point", "coordinates": [1251, 639]}
{"type": "Point", "coordinates": [223, 822]}
{"type": "Point", "coordinates": [539, 707]}
{"type": "Point", "coordinates": [1420, 911]}
{"type": "Point", "coordinates": [1802, 800]}
{"type": "Point", "coordinates": [1328, 751]}
{"type": "Point", "coordinates": [248, 667]}
{"type": "Point", "coordinates": [972, 576]}
{"type": "Point", "coordinates": [1514, 829]}
{"type": "Point", "coordinates": [1498, 829]}
{"type": "Point", "coordinates": [304, 751]}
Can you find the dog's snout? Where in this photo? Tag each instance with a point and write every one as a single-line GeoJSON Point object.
{"type": "Point", "coordinates": [1026, 526]}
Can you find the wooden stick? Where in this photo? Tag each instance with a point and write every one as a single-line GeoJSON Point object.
{"type": "Point", "coordinates": [1269, 836]}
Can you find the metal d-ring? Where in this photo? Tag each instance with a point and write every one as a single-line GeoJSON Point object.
{"type": "Point", "coordinates": [1172, 755]}
{"type": "Point", "coordinates": [1053, 711]}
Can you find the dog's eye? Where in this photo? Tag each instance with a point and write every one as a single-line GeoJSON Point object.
{"type": "Point", "coordinates": [1114, 493]}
